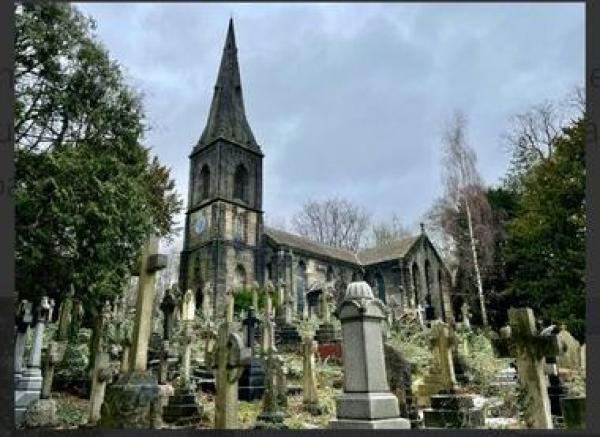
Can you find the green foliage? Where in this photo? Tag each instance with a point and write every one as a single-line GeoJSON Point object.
{"type": "Point", "coordinates": [87, 193]}
{"type": "Point", "coordinates": [413, 341]}
{"type": "Point", "coordinates": [545, 254]}
{"type": "Point", "coordinates": [71, 412]}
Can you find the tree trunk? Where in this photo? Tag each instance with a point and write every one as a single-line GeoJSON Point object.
{"type": "Point", "coordinates": [484, 319]}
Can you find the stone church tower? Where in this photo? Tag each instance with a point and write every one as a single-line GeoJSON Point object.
{"type": "Point", "coordinates": [224, 218]}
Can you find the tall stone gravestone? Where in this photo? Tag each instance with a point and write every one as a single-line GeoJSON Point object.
{"type": "Point", "coordinates": [522, 341]}
{"type": "Point", "coordinates": [367, 402]}
{"type": "Point", "coordinates": [131, 401]}
{"type": "Point", "coordinates": [182, 407]}
{"type": "Point", "coordinates": [231, 356]}
{"type": "Point", "coordinates": [252, 380]}
{"type": "Point", "coordinates": [101, 372]}
{"type": "Point", "coordinates": [287, 332]}
{"type": "Point", "coordinates": [326, 332]}
{"type": "Point", "coordinates": [57, 347]}
{"type": "Point", "coordinates": [310, 396]}
{"type": "Point", "coordinates": [167, 306]}
{"type": "Point", "coordinates": [29, 386]}
{"type": "Point", "coordinates": [23, 396]}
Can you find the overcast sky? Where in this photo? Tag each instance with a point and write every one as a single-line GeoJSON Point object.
{"type": "Point", "coordinates": [347, 100]}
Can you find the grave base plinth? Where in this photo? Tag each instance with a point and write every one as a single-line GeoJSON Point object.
{"type": "Point", "coordinates": [252, 382]}
{"type": "Point", "coordinates": [452, 410]}
{"type": "Point", "coordinates": [182, 407]}
{"type": "Point", "coordinates": [130, 402]}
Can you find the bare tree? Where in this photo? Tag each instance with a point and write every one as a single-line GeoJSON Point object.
{"type": "Point", "coordinates": [335, 222]}
{"type": "Point", "coordinates": [532, 133]}
{"type": "Point", "coordinates": [385, 232]}
{"type": "Point", "coordinates": [465, 197]}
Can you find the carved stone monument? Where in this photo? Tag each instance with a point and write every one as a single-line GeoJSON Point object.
{"type": "Point", "coordinates": [367, 402]}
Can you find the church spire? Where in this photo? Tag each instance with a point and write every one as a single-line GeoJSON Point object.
{"type": "Point", "coordinates": [227, 117]}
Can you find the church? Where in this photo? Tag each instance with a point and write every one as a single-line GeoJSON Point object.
{"type": "Point", "coordinates": [227, 245]}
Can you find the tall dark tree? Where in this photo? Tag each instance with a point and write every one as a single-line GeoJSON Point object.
{"type": "Point", "coordinates": [545, 252]}
{"type": "Point", "coordinates": [87, 192]}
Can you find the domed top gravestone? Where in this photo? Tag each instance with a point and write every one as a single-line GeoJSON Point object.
{"type": "Point", "coordinates": [367, 402]}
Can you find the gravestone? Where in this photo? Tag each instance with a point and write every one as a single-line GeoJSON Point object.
{"type": "Point", "coordinates": [231, 356]}
{"type": "Point", "coordinates": [57, 347]}
{"type": "Point", "coordinates": [131, 401]}
{"type": "Point", "coordinates": [326, 332]}
{"type": "Point", "coordinates": [570, 357]}
{"type": "Point", "coordinates": [367, 402]}
{"type": "Point", "coordinates": [204, 374]}
{"type": "Point", "coordinates": [182, 407]}
{"type": "Point", "coordinates": [271, 415]}
{"type": "Point", "coordinates": [398, 370]}
{"type": "Point", "coordinates": [101, 373]}
{"type": "Point", "coordinates": [466, 315]}
{"type": "Point", "coordinates": [29, 385]}
{"type": "Point", "coordinates": [268, 331]}
{"type": "Point", "coordinates": [441, 374]}
{"type": "Point", "coordinates": [281, 381]}
{"type": "Point", "coordinates": [522, 341]}
{"type": "Point", "coordinates": [310, 395]}
{"type": "Point", "coordinates": [287, 332]}
{"type": "Point", "coordinates": [167, 306]}
{"type": "Point", "coordinates": [252, 381]}
{"type": "Point", "coordinates": [24, 319]}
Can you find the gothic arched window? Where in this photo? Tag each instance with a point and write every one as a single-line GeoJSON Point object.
{"type": "Point", "coordinates": [416, 280]}
{"type": "Point", "coordinates": [240, 277]}
{"type": "Point", "coordinates": [205, 182]}
{"type": "Point", "coordinates": [239, 227]}
{"type": "Point", "coordinates": [240, 183]}
{"type": "Point", "coordinates": [380, 286]}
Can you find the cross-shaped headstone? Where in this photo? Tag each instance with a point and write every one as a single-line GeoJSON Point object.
{"type": "Point", "coordinates": [231, 357]}
{"type": "Point", "coordinates": [443, 341]}
{"type": "Point", "coordinates": [150, 263]}
{"type": "Point", "coordinates": [250, 324]}
{"type": "Point", "coordinates": [522, 341]}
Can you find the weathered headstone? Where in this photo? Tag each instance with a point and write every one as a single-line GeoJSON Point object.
{"type": "Point", "coordinates": [231, 355]}
{"type": "Point", "coordinates": [326, 331]}
{"type": "Point", "coordinates": [281, 381]}
{"type": "Point", "coordinates": [523, 342]}
{"type": "Point", "coordinates": [367, 402]}
{"type": "Point", "coordinates": [24, 319]}
{"type": "Point", "coordinates": [29, 385]}
{"type": "Point", "coordinates": [268, 334]}
{"type": "Point", "coordinates": [131, 401]}
{"type": "Point", "coordinates": [252, 381]}
{"type": "Point", "coordinates": [57, 347]}
{"type": "Point", "coordinates": [441, 374]}
{"type": "Point", "coordinates": [310, 396]}
{"type": "Point", "coordinates": [182, 406]}
{"type": "Point", "coordinates": [102, 371]}
{"type": "Point", "coordinates": [466, 315]}
{"type": "Point", "coordinates": [168, 306]}
{"type": "Point", "coordinates": [570, 357]}
{"type": "Point", "coordinates": [287, 333]}
{"type": "Point", "coordinates": [271, 415]}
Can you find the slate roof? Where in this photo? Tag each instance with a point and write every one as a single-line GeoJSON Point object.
{"type": "Point", "coordinates": [395, 250]}
{"type": "Point", "coordinates": [365, 257]}
{"type": "Point", "coordinates": [227, 117]}
{"type": "Point", "coordinates": [306, 245]}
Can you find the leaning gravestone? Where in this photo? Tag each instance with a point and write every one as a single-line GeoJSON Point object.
{"type": "Point", "coordinates": [367, 402]}
{"type": "Point", "coordinates": [131, 401]}
{"type": "Point", "coordinates": [102, 371]}
{"type": "Point", "coordinates": [522, 341]}
{"type": "Point", "coordinates": [29, 385]}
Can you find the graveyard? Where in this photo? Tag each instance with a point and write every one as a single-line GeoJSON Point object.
{"type": "Point", "coordinates": [472, 319]}
{"type": "Point", "coordinates": [177, 365]}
